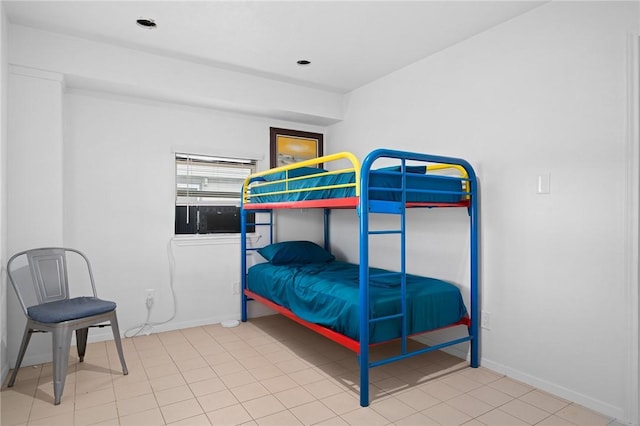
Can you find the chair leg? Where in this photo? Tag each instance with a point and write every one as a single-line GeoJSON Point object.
{"type": "Point", "coordinates": [61, 346]}
{"type": "Point", "coordinates": [116, 338]}
{"type": "Point", "coordinates": [81, 341]}
{"type": "Point", "coordinates": [26, 337]}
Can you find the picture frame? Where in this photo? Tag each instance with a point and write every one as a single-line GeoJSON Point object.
{"type": "Point", "coordinates": [292, 146]}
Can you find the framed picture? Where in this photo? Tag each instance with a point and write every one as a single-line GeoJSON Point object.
{"type": "Point", "coordinates": [293, 146]}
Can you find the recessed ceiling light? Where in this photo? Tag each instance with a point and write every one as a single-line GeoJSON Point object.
{"type": "Point", "coordinates": [146, 23]}
{"type": "Point", "coordinates": [303, 62]}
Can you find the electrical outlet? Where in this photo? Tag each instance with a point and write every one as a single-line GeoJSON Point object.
{"type": "Point", "coordinates": [235, 288]}
{"type": "Point", "coordinates": [485, 320]}
{"type": "Point", "coordinates": [151, 295]}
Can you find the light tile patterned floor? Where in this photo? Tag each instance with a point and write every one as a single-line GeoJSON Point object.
{"type": "Point", "coordinates": [271, 371]}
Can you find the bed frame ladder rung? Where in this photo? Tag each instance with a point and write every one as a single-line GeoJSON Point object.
{"type": "Point", "coordinates": [392, 207]}
{"type": "Point", "coordinates": [386, 317]}
{"type": "Point", "coordinates": [386, 232]}
{"type": "Point", "coordinates": [384, 274]}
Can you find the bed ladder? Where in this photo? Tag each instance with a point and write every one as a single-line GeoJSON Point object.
{"type": "Point", "coordinates": [246, 251]}
{"type": "Point", "coordinates": [365, 208]}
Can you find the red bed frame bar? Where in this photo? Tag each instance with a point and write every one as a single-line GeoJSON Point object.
{"type": "Point", "coordinates": [335, 203]}
{"type": "Point", "coordinates": [341, 339]}
{"type": "Point", "coordinates": [345, 341]}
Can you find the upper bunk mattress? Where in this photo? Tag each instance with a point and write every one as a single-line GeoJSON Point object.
{"type": "Point", "coordinates": [384, 184]}
{"type": "Point", "coordinates": [328, 294]}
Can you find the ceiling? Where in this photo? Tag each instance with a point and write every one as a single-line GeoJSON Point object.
{"type": "Point", "coordinates": [349, 43]}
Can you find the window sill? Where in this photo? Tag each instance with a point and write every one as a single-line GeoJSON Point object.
{"type": "Point", "coordinates": [212, 239]}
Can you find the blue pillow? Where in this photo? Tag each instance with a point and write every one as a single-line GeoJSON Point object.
{"type": "Point", "coordinates": [295, 252]}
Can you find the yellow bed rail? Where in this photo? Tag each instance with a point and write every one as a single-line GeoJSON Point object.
{"type": "Point", "coordinates": [459, 168]}
{"type": "Point", "coordinates": [354, 167]}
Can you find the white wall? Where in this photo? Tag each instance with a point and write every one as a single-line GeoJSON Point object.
{"type": "Point", "coordinates": [34, 180]}
{"type": "Point", "coordinates": [117, 169]}
{"type": "Point", "coordinates": [102, 166]}
{"type": "Point", "coordinates": [119, 203]}
{"type": "Point", "coordinates": [633, 179]}
{"type": "Point", "coordinates": [543, 93]}
{"type": "Point", "coordinates": [4, 366]}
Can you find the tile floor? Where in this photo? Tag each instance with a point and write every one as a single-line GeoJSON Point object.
{"type": "Point", "coordinates": [271, 371]}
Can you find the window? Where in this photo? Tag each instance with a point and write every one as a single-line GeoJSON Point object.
{"type": "Point", "coordinates": [208, 194]}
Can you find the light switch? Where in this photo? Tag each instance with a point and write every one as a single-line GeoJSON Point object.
{"type": "Point", "coordinates": [544, 184]}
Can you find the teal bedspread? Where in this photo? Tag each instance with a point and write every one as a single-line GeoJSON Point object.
{"type": "Point", "coordinates": [388, 182]}
{"type": "Point", "coordinates": [328, 294]}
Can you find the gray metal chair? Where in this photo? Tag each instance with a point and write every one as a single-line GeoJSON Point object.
{"type": "Point", "coordinates": [45, 272]}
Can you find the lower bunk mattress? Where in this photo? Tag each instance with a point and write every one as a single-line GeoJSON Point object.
{"type": "Point", "coordinates": [328, 294]}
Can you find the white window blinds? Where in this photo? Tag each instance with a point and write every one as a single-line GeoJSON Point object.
{"type": "Point", "coordinates": [205, 180]}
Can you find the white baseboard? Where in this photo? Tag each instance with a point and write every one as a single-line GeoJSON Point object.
{"type": "Point", "coordinates": [5, 371]}
{"type": "Point", "coordinates": [462, 351]}
{"type": "Point", "coordinates": [555, 389]}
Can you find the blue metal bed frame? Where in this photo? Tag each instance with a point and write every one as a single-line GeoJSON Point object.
{"type": "Point", "coordinates": [365, 207]}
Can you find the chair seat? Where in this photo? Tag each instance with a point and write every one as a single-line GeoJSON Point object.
{"type": "Point", "coordinates": [70, 309]}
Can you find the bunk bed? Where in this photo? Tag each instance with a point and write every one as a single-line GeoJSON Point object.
{"type": "Point", "coordinates": [359, 306]}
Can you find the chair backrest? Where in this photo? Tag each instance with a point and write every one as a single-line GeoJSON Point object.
{"type": "Point", "coordinates": [42, 274]}
{"type": "Point", "coordinates": [49, 274]}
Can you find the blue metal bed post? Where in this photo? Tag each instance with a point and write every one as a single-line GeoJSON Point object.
{"type": "Point", "coordinates": [363, 213]}
{"type": "Point", "coordinates": [270, 226]}
{"type": "Point", "coordinates": [327, 224]}
{"type": "Point", "coordinates": [474, 328]}
{"type": "Point", "coordinates": [243, 261]}
{"type": "Point", "coordinates": [403, 256]}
